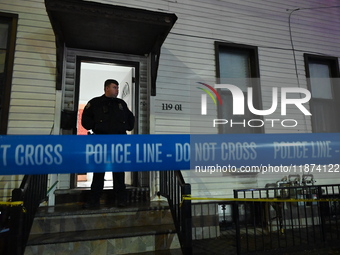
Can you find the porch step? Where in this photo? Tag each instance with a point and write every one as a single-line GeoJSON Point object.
{"type": "Point", "coordinates": [138, 228]}
{"type": "Point", "coordinates": [134, 194]}
{"type": "Point", "coordinates": [73, 218]}
{"type": "Point", "coordinates": [165, 252]}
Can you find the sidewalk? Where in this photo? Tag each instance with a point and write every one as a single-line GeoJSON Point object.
{"type": "Point", "coordinates": [226, 245]}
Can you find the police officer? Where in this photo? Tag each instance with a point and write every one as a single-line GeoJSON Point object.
{"type": "Point", "coordinates": [107, 114]}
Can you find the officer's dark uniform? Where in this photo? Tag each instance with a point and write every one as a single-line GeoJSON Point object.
{"type": "Point", "coordinates": [105, 115]}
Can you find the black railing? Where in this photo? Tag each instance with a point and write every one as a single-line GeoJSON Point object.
{"type": "Point", "coordinates": [264, 226]}
{"type": "Point", "coordinates": [173, 187]}
{"type": "Point", "coordinates": [32, 192]}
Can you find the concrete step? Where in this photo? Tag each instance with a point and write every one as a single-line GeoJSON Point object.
{"type": "Point", "coordinates": [109, 246]}
{"type": "Point", "coordinates": [80, 195]}
{"type": "Point", "coordinates": [73, 218]}
{"type": "Point", "coordinates": [163, 252]}
{"type": "Point", "coordinates": [69, 229]}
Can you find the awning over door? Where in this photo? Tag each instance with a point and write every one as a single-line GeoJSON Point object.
{"type": "Point", "coordinates": [103, 27]}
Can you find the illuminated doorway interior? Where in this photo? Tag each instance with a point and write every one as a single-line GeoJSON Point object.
{"type": "Point", "coordinates": [92, 78]}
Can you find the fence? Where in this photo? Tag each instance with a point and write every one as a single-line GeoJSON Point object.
{"type": "Point", "coordinates": [18, 216]}
{"type": "Point", "coordinates": [291, 218]}
{"type": "Point", "coordinates": [173, 187]}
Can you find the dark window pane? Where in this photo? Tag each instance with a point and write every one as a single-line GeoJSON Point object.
{"type": "Point", "coordinates": [322, 73]}
{"type": "Point", "coordinates": [2, 60]}
{"type": "Point", "coordinates": [3, 35]}
{"type": "Point", "coordinates": [320, 79]}
{"type": "Point", "coordinates": [235, 68]}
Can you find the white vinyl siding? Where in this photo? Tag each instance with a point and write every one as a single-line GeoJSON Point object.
{"type": "Point", "coordinates": [33, 88]}
{"type": "Point", "coordinates": [188, 57]}
{"type": "Point", "coordinates": [32, 104]}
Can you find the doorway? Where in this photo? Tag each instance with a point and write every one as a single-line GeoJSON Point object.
{"type": "Point", "coordinates": [91, 84]}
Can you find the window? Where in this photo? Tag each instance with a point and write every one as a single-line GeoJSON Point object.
{"type": "Point", "coordinates": [8, 27]}
{"type": "Point", "coordinates": [237, 65]}
{"type": "Point", "coordinates": [322, 75]}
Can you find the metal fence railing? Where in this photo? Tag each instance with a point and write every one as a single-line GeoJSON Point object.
{"type": "Point", "coordinates": [30, 194]}
{"type": "Point", "coordinates": [173, 187]}
{"type": "Point", "coordinates": [286, 217]}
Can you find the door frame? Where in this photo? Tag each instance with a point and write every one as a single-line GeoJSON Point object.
{"type": "Point", "coordinates": [133, 64]}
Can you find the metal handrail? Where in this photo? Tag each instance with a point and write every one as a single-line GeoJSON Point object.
{"type": "Point", "coordinates": [32, 192]}
{"type": "Point", "coordinates": [173, 187]}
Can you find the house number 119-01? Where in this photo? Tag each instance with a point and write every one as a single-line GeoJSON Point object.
{"type": "Point", "coordinates": [169, 107]}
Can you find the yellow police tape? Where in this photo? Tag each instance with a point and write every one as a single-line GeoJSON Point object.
{"type": "Point", "coordinates": [16, 203]}
{"type": "Point", "coordinates": [189, 197]}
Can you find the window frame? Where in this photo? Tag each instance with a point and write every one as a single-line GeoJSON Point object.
{"type": "Point", "coordinates": [12, 20]}
{"type": "Point", "coordinates": [334, 70]}
{"type": "Point", "coordinates": [254, 72]}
